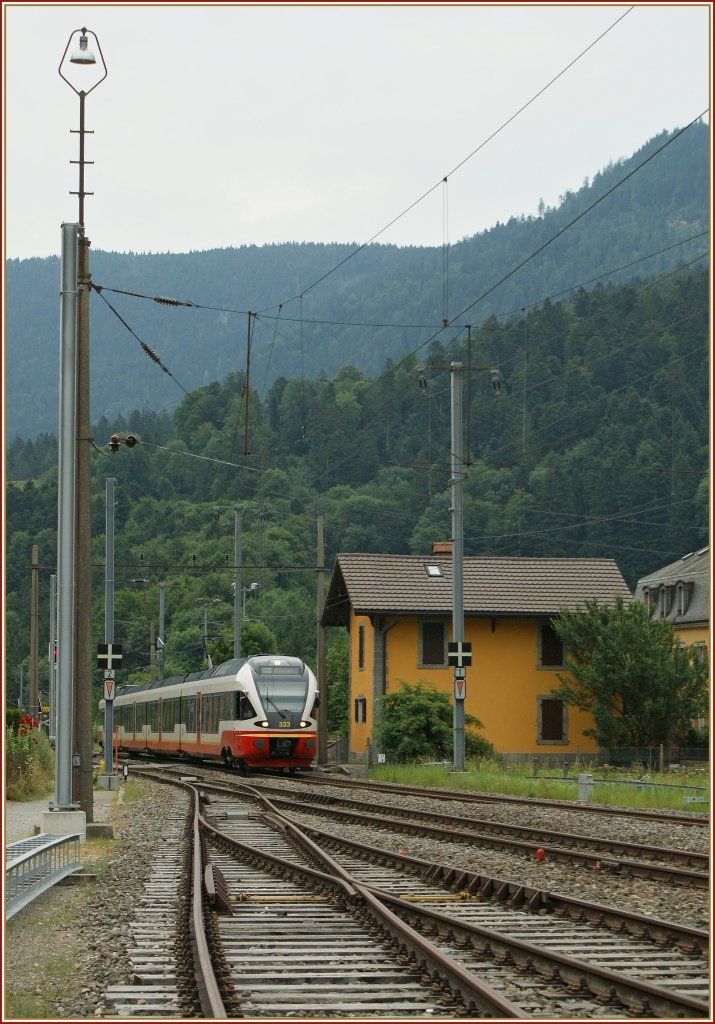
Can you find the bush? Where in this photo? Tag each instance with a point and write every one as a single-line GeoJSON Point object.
{"type": "Point", "coordinates": [12, 718]}
{"type": "Point", "coordinates": [416, 725]}
{"type": "Point", "coordinates": [29, 760]}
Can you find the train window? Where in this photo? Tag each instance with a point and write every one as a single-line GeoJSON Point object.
{"type": "Point", "coordinates": [246, 710]}
{"type": "Point", "coordinates": [169, 714]}
{"type": "Point", "coordinates": [152, 716]}
{"type": "Point", "coordinates": [188, 713]}
{"type": "Point", "coordinates": [216, 708]}
{"type": "Point", "coordinates": [227, 707]}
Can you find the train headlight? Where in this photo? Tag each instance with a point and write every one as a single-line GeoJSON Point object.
{"type": "Point", "coordinates": [304, 725]}
{"type": "Point", "coordinates": [264, 724]}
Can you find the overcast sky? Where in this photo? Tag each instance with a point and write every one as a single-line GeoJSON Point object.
{"type": "Point", "coordinates": [227, 125]}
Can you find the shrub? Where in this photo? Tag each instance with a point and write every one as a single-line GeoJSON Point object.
{"type": "Point", "coordinates": [416, 724]}
{"type": "Point", "coordinates": [30, 761]}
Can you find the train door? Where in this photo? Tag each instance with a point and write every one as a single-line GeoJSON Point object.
{"type": "Point", "coordinates": [198, 720]}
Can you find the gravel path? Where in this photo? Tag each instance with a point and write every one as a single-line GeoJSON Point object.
{"type": "Point", "coordinates": [23, 817]}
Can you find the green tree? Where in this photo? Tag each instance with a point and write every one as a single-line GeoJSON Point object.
{"type": "Point", "coordinates": [630, 673]}
{"type": "Point", "coordinates": [336, 670]}
{"type": "Point", "coordinates": [416, 723]}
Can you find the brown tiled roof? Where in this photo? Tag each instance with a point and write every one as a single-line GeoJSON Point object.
{"type": "Point", "coordinates": [400, 584]}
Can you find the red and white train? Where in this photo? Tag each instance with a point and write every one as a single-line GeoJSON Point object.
{"type": "Point", "coordinates": [257, 712]}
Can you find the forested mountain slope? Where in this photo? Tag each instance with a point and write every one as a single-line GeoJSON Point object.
{"type": "Point", "coordinates": [595, 443]}
{"type": "Point", "coordinates": [380, 304]}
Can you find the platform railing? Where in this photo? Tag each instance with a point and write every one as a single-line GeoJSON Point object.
{"type": "Point", "coordinates": [34, 865]}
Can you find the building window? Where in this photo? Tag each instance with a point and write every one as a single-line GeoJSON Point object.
{"type": "Point", "coordinates": [683, 592]}
{"type": "Point", "coordinates": [551, 649]}
{"type": "Point", "coordinates": [433, 645]}
{"type": "Point", "coordinates": [699, 652]}
{"type": "Point", "coordinates": [552, 720]}
{"type": "Point", "coordinates": [665, 600]}
{"type": "Point", "coordinates": [361, 646]}
{"type": "Point", "coordinates": [360, 710]}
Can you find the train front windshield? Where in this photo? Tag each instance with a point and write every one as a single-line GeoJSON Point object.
{"type": "Point", "coordinates": [282, 688]}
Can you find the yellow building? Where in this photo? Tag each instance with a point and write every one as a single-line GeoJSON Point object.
{"type": "Point", "coordinates": [398, 612]}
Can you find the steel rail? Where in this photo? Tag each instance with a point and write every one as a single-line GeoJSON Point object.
{"type": "Point", "coordinates": [211, 1000]}
{"type": "Point", "coordinates": [592, 859]}
{"type": "Point", "coordinates": [603, 983]}
{"type": "Point", "coordinates": [531, 898]}
{"type": "Point", "coordinates": [469, 796]}
{"type": "Point", "coordinates": [575, 973]}
{"type": "Point", "coordinates": [439, 966]}
{"type": "Point", "coordinates": [538, 836]}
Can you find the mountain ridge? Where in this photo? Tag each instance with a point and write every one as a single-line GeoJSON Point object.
{"type": "Point", "coordinates": [377, 306]}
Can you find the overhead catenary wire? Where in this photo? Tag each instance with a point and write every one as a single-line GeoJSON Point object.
{"type": "Point", "coordinates": [461, 163]}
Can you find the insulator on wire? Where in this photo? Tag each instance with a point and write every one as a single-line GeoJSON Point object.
{"type": "Point", "coordinates": [150, 352]}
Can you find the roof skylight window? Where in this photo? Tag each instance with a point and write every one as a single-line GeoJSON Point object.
{"type": "Point", "coordinates": [433, 570]}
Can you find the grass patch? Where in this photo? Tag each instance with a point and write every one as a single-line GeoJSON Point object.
{"type": "Point", "coordinates": [637, 788]}
{"type": "Point", "coordinates": [94, 855]}
{"type": "Point", "coordinates": [133, 790]}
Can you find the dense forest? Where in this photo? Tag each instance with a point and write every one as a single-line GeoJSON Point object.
{"type": "Point", "coordinates": [586, 422]}
{"type": "Point", "coordinates": [318, 308]}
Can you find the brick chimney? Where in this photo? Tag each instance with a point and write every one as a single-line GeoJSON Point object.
{"type": "Point", "coordinates": [442, 547]}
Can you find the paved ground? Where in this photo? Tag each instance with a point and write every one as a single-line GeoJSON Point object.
{"type": "Point", "coordinates": [22, 818]}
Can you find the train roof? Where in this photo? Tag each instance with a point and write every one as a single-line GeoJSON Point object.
{"type": "Point", "coordinates": [226, 668]}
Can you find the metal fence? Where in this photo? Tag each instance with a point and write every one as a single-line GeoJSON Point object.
{"type": "Point", "coordinates": [34, 865]}
{"type": "Point", "coordinates": [654, 758]}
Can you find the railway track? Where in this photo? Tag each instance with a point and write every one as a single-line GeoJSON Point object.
{"type": "Point", "coordinates": [302, 923]}
{"type": "Point", "coordinates": [631, 859]}
{"type": "Point", "coordinates": [445, 795]}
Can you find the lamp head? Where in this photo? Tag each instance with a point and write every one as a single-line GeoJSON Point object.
{"type": "Point", "coordinates": [83, 55]}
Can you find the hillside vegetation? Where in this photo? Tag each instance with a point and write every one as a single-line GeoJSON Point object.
{"type": "Point", "coordinates": [595, 444]}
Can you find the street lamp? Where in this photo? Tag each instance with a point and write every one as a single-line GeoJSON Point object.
{"type": "Point", "coordinates": [75, 587]}
{"type": "Point", "coordinates": [248, 590]}
{"type": "Point", "coordinates": [82, 57]}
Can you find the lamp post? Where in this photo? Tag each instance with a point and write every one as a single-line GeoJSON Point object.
{"type": "Point", "coordinates": [80, 706]}
{"type": "Point", "coordinates": [248, 590]}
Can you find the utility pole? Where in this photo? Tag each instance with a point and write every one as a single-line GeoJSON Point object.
{"type": "Point", "coordinates": [237, 577]}
{"type": "Point", "coordinates": [82, 639]}
{"type": "Point", "coordinates": [52, 729]}
{"type": "Point", "coordinates": [322, 680]}
{"type": "Point", "coordinates": [237, 569]}
{"type": "Point", "coordinates": [109, 780]}
{"type": "Point", "coordinates": [82, 760]}
{"type": "Point", "coordinates": [35, 708]}
{"type": "Point", "coordinates": [160, 638]}
{"type": "Point", "coordinates": [457, 560]}
{"type": "Point", "coordinates": [65, 524]}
